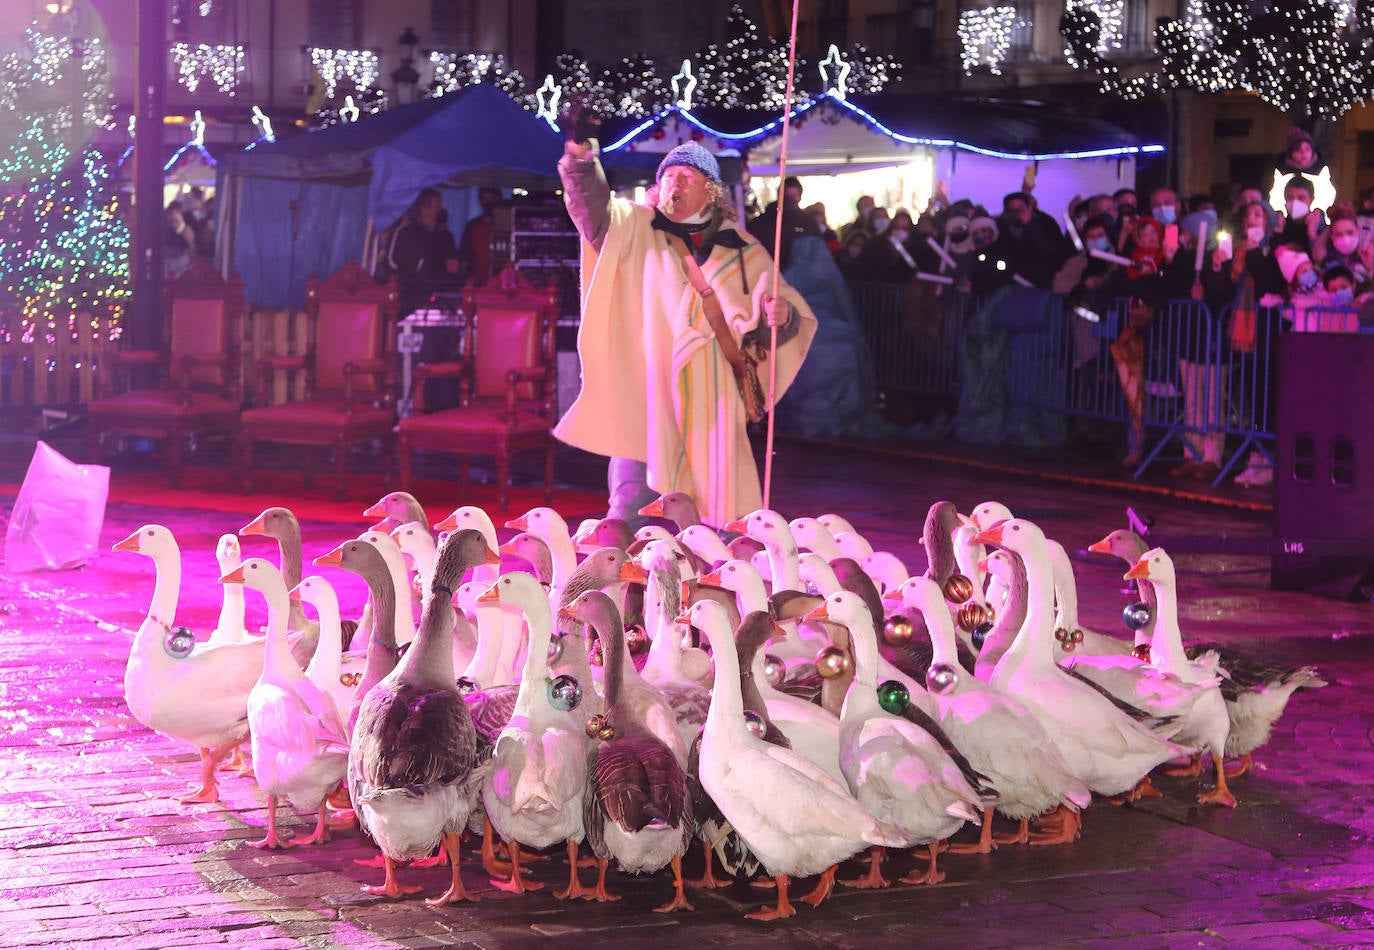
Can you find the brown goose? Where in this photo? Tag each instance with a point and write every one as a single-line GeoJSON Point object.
{"type": "Point", "coordinates": [637, 808]}
{"type": "Point", "coordinates": [413, 754]}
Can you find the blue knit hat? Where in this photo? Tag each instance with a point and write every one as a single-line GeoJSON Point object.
{"type": "Point", "coordinates": [693, 155]}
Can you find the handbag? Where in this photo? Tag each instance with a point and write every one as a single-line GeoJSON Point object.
{"type": "Point", "coordinates": [743, 364]}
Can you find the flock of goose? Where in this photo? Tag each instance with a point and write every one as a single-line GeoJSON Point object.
{"type": "Point", "coordinates": [788, 698]}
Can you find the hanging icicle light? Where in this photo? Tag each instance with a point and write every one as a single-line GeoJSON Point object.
{"type": "Point", "coordinates": [362, 66]}
{"type": "Point", "coordinates": [221, 64]}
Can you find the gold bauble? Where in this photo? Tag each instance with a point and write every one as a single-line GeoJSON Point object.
{"type": "Point", "coordinates": [594, 726]}
{"type": "Point", "coordinates": [897, 631]}
{"type": "Point", "coordinates": [832, 662]}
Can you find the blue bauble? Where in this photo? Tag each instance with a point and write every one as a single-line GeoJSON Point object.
{"type": "Point", "coordinates": [980, 633]}
{"type": "Point", "coordinates": [565, 693]}
{"type": "Point", "coordinates": [1137, 615]}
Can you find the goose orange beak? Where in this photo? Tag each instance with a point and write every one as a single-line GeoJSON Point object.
{"type": "Point", "coordinates": [519, 524]}
{"type": "Point", "coordinates": [489, 596]}
{"type": "Point", "coordinates": [448, 524]}
{"type": "Point", "coordinates": [983, 564]}
{"type": "Point", "coordinates": [377, 510]}
{"type": "Point", "coordinates": [683, 618]}
{"type": "Point", "coordinates": [709, 580]}
{"type": "Point", "coordinates": [893, 596]}
{"type": "Point", "coordinates": [1139, 571]}
{"type": "Point", "coordinates": [128, 544]}
{"type": "Point", "coordinates": [817, 613]}
{"type": "Point", "coordinates": [333, 559]}
{"type": "Point", "coordinates": [233, 577]}
{"type": "Point", "coordinates": [1100, 547]}
{"type": "Point", "coordinates": [632, 573]}
{"type": "Point", "coordinates": [256, 526]}
{"type": "Point", "coordinates": [653, 509]}
{"type": "Point", "coordinates": [492, 557]}
{"type": "Point", "coordinates": [992, 535]}
{"type": "Point", "coordinates": [567, 611]}
{"type": "Point", "coordinates": [294, 593]}
{"type": "Point", "coordinates": [738, 526]}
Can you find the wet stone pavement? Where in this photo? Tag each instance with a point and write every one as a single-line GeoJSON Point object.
{"type": "Point", "coordinates": [95, 851]}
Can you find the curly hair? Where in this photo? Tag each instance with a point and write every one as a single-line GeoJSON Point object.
{"type": "Point", "coordinates": [717, 200]}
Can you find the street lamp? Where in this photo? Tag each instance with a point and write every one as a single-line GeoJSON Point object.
{"type": "Point", "coordinates": [405, 78]}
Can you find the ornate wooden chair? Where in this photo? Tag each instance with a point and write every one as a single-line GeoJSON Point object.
{"type": "Point", "coordinates": [199, 371]}
{"type": "Point", "coordinates": [507, 380]}
{"type": "Point", "coordinates": [349, 377]}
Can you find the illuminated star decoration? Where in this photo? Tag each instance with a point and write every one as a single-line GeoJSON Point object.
{"type": "Point", "coordinates": [349, 112]}
{"type": "Point", "coordinates": [263, 124]}
{"type": "Point", "coordinates": [835, 63]}
{"type": "Point", "coordinates": [683, 85]}
{"type": "Point", "coordinates": [1324, 193]}
{"type": "Point", "coordinates": [198, 130]}
{"type": "Point", "coordinates": [547, 96]}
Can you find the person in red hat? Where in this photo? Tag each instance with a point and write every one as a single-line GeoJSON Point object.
{"type": "Point", "coordinates": [674, 296]}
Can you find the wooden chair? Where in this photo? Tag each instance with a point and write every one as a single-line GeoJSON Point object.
{"type": "Point", "coordinates": [348, 372]}
{"type": "Point", "coordinates": [198, 389]}
{"type": "Point", "coordinates": [507, 380]}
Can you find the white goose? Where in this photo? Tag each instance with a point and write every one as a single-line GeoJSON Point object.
{"type": "Point", "coordinates": [996, 732]}
{"type": "Point", "coordinates": [332, 670]}
{"type": "Point", "coordinates": [194, 692]}
{"type": "Point", "coordinates": [666, 666]}
{"type": "Point", "coordinates": [299, 747]}
{"type": "Point", "coordinates": [549, 526]}
{"type": "Point", "coordinates": [404, 608]}
{"type": "Point", "coordinates": [395, 509]}
{"type": "Point", "coordinates": [230, 628]}
{"type": "Point", "coordinates": [704, 543]}
{"type": "Point", "coordinates": [886, 569]}
{"type": "Point", "coordinates": [1208, 725]}
{"type": "Point", "coordinates": [795, 818]}
{"type": "Point", "coordinates": [534, 792]}
{"type": "Point", "coordinates": [815, 537]}
{"type": "Point", "coordinates": [415, 542]}
{"type": "Point", "coordinates": [895, 769]}
{"type": "Point", "coordinates": [1107, 749]}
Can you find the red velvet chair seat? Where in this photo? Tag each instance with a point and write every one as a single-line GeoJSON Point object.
{"type": "Point", "coordinates": [316, 412]}
{"type": "Point", "coordinates": [164, 402]}
{"type": "Point", "coordinates": [485, 420]}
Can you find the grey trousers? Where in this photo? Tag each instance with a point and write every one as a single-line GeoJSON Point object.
{"type": "Point", "coordinates": [628, 481]}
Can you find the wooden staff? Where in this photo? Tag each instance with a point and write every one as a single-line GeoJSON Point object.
{"type": "Point", "coordinates": [777, 251]}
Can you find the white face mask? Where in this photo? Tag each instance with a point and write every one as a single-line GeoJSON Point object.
{"type": "Point", "coordinates": [1346, 243]}
{"type": "Point", "coordinates": [1297, 209]}
{"type": "Point", "coordinates": [1254, 235]}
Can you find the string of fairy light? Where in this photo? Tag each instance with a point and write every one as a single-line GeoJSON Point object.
{"type": "Point", "coordinates": [1312, 59]}
{"type": "Point", "coordinates": [222, 64]}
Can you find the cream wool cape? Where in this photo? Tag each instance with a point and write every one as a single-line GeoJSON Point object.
{"type": "Point", "coordinates": [655, 386]}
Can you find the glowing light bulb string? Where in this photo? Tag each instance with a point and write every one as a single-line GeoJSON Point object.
{"type": "Point", "coordinates": [777, 256]}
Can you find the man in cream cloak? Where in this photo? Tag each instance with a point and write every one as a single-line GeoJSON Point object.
{"type": "Point", "coordinates": [655, 387]}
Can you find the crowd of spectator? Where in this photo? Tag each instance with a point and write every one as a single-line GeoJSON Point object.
{"type": "Point", "coordinates": [1303, 267]}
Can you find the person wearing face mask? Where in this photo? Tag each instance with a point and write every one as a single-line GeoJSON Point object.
{"type": "Point", "coordinates": [1306, 294]}
{"type": "Point", "coordinates": [1025, 245]}
{"type": "Point", "coordinates": [887, 258]}
{"type": "Point", "coordinates": [1164, 206]}
{"type": "Point", "coordinates": [1345, 245]}
{"type": "Point", "coordinates": [674, 296]}
{"type": "Point", "coordinates": [1302, 224]}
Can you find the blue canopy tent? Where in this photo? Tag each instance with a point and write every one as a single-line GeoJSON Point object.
{"type": "Point", "coordinates": [308, 204]}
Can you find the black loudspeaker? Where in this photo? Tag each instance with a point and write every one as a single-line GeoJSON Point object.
{"type": "Point", "coordinates": [1324, 464]}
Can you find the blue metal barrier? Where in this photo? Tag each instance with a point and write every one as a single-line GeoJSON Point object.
{"type": "Point", "coordinates": [915, 345]}
{"type": "Point", "coordinates": [1201, 379]}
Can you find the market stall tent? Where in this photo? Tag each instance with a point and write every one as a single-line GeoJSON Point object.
{"type": "Point", "coordinates": [907, 143]}
{"type": "Point", "coordinates": [307, 204]}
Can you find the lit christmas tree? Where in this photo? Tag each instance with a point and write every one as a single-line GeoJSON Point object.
{"type": "Point", "coordinates": [1312, 59]}
{"type": "Point", "coordinates": [64, 253]}
{"type": "Point", "coordinates": [749, 71]}
{"type": "Point", "coordinates": [64, 249]}
{"type": "Point", "coordinates": [54, 97]}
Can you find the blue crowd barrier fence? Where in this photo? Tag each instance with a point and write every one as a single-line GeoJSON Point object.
{"type": "Point", "coordinates": [1202, 384]}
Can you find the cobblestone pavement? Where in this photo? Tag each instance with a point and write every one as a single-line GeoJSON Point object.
{"type": "Point", "coordinates": [94, 850]}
